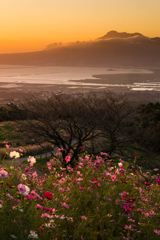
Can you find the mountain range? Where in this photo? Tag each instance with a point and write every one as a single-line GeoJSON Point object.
{"type": "Point", "coordinates": [113, 49]}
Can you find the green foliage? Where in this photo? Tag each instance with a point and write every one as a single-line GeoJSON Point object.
{"type": "Point", "coordinates": [148, 122]}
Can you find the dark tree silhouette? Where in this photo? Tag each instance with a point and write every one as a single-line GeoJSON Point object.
{"type": "Point", "coordinates": [62, 120]}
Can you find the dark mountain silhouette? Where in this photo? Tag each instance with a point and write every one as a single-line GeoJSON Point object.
{"type": "Point", "coordinates": [113, 49]}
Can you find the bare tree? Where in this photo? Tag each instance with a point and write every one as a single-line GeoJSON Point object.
{"type": "Point", "coordinates": [114, 119]}
{"type": "Point", "coordinates": [103, 122]}
{"type": "Point", "coordinates": [62, 120]}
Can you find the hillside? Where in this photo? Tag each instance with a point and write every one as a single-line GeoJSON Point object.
{"type": "Point", "coordinates": [112, 49]}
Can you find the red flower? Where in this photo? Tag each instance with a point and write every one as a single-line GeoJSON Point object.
{"type": "Point", "coordinates": [48, 195]}
{"type": "Point", "coordinates": [136, 154]}
{"type": "Point", "coordinates": [122, 180]}
{"type": "Point", "coordinates": [95, 181]}
{"type": "Point", "coordinates": [146, 183]}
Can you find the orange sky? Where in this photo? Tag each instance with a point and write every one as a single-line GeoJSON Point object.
{"type": "Point", "coordinates": [30, 25]}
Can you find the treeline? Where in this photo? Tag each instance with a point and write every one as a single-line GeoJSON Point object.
{"type": "Point", "coordinates": [12, 112]}
{"type": "Point", "coordinates": [96, 122]}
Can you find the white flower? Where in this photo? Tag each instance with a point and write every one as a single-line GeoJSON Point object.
{"type": "Point", "coordinates": [33, 235]}
{"type": "Point", "coordinates": [120, 164]}
{"type": "Point", "coordinates": [31, 159]}
{"type": "Point", "coordinates": [24, 177]}
{"type": "Point", "coordinates": [13, 236]}
{"type": "Point", "coordinates": [14, 154]}
{"type": "Point", "coordinates": [27, 191]}
{"type": "Point", "coordinates": [21, 210]}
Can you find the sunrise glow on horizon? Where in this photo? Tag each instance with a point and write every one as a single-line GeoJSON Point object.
{"type": "Point", "coordinates": [31, 25]}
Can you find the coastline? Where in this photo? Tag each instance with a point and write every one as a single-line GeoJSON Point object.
{"type": "Point", "coordinates": [139, 84]}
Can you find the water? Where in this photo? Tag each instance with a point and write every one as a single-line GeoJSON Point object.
{"type": "Point", "coordinates": [69, 76]}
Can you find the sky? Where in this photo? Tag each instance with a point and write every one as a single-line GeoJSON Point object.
{"type": "Point", "coordinates": [30, 25]}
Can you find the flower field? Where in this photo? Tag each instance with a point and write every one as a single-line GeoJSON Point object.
{"type": "Point", "coordinates": [97, 199]}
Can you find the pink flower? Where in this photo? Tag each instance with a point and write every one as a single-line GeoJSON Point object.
{"type": "Point", "coordinates": [68, 158]}
{"type": "Point", "coordinates": [83, 217]}
{"type": "Point", "coordinates": [34, 175]}
{"type": "Point", "coordinates": [156, 169]}
{"type": "Point", "coordinates": [64, 205]}
{"type": "Point", "coordinates": [44, 215]}
{"type": "Point", "coordinates": [157, 232]}
{"type": "Point", "coordinates": [23, 189]}
{"type": "Point", "coordinates": [61, 149]}
{"type": "Point", "coordinates": [3, 174]}
{"type": "Point", "coordinates": [113, 177]}
{"type": "Point", "coordinates": [128, 227]}
{"type": "Point", "coordinates": [8, 195]}
{"type": "Point", "coordinates": [39, 206]}
{"type": "Point", "coordinates": [7, 146]}
{"type": "Point", "coordinates": [55, 184]}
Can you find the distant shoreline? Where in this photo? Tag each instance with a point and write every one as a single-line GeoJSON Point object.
{"type": "Point", "coordinates": [131, 82]}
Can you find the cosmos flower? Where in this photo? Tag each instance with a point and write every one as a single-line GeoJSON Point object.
{"type": "Point", "coordinates": [33, 235]}
{"type": "Point", "coordinates": [48, 195]}
{"type": "Point", "coordinates": [31, 160]}
{"type": "Point", "coordinates": [3, 174]}
{"type": "Point", "coordinates": [14, 154]}
{"type": "Point", "coordinates": [23, 189]}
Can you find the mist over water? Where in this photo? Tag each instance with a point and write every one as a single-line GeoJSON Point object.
{"type": "Point", "coordinates": [78, 76]}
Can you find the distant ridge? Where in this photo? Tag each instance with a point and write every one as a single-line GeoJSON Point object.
{"type": "Point", "coordinates": [115, 34]}
{"type": "Point", "coordinates": [114, 49]}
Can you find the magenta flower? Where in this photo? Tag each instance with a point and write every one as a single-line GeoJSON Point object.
{"type": "Point", "coordinates": [81, 188]}
{"type": "Point", "coordinates": [81, 148]}
{"type": "Point", "coordinates": [41, 228]}
{"type": "Point", "coordinates": [3, 174]}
